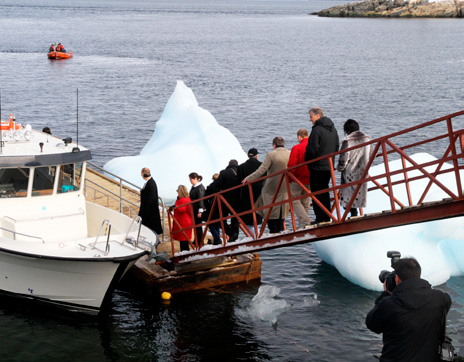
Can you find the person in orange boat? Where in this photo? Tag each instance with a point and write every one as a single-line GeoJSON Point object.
{"type": "Point", "coordinates": [60, 48]}
{"type": "Point", "coordinates": [52, 49]}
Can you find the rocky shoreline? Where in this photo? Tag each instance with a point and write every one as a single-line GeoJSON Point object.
{"type": "Point", "coordinates": [397, 9]}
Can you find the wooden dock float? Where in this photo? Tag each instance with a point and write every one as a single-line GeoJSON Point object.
{"type": "Point", "coordinates": [196, 276]}
{"type": "Point", "coordinates": [151, 276]}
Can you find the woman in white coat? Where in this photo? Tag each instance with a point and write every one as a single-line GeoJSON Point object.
{"type": "Point", "coordinates": [352, 164]}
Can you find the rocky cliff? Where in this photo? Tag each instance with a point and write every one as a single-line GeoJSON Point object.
{"type": "Point", "coordinates": [397, 9]}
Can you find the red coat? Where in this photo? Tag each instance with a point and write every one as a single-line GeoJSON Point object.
{"type": "Point", "coordinates": [183, 215]}
{"type": "Point", "coordinates": [297, 157]}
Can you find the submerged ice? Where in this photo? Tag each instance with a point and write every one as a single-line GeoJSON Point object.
{"type": "Point", "coordinates": [187, 138]}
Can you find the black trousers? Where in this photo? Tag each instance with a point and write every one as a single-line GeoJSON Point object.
{"type": "Point", "coordinates": [319, 180]}
{"type": "Point", "coordinates": [276, 225]}
{"type": "Point", "coordinates": [199, 229]}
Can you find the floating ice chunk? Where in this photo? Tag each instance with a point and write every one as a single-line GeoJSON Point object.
{"type": "Point", "coordinates": [266, 306]}
{"type": "Point", "coordinates": [311, 301]}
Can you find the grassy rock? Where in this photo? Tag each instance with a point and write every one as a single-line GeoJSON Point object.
{"type": "Point", "coordinates": [397, 9]}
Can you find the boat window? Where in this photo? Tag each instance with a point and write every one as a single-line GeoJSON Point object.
{"type": "Point", "coordinates": [13, 182]}
{"type": "Point", "coordinates": [43, 180]}
{"type": "Point", "coordinates": [70, 177]}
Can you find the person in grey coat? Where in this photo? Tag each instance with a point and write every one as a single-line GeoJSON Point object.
{"type": "Point", "coordinates": [275, 160]}
{"type": "Point", "coordinates": [352, 165]}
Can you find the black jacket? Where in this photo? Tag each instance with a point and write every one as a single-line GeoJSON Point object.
{"type": "Point", "coordinates": [245, 169]}
{"type": "Point", "coordinates": [195, 194]}
{"type": "Point", "coordinates": [227, 178]}
{"type": "Point", "coordinates": [410, 320]}
{"type": "Point", "coordinates": [322, 141]}
{"type": "Point", "coordinates": [149, 210]}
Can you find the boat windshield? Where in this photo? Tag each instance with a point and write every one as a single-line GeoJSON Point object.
{"type": "Point", "coordinates": [44, 178]}
{"type": "Point", "coordinates": [70, 177]}
{"type": "Point", "coordinates": [13, 182]}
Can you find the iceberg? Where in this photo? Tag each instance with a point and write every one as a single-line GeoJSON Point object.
{"type": "Point", "coordinates": [187, 138]}
{"type": "Point", "coordinates": [437, 245]}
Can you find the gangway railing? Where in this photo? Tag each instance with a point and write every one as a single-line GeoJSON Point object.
{"type": "Point", "coordinates": [394, 185]}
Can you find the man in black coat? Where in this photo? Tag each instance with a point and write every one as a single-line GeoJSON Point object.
{"type": "Point", "coordinates": [244, 170]}
{"type": "Point", "coordinates": [322, 141]}
{"type": "Point", "coordinates": [411, 317]}
{"type": "Point", "coordinates": [228, 178]}
{"type": "Point", "coordinates": [149, 210]}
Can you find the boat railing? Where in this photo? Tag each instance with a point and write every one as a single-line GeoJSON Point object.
{"type": "Point", "coordinates": [130, 240]}
{"type": "Point", "coordinates": [93, 245]}
{"type": "Point", "coordinates": [81, 212]}
{"type": "Point", "coordinates": [111, 196]}
{"type": "Point", "coordinates": [18, 233]}
{"type": "Point", "coordinates": [124, 185]}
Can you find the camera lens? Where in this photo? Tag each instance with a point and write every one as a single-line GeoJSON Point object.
{"type": "Point", "coordinates": [384, 275]}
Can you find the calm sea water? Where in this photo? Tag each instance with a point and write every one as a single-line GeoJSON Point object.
{"type": "Point", "coordinates": [257, 66]}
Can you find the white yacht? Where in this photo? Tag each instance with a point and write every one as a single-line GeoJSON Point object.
{"type": "Point", "coordinates": [55, 246]}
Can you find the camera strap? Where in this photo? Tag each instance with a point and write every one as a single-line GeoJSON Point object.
{"type": "Point", "coordinates": [446, 349]}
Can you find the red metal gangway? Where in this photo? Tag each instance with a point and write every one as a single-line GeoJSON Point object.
{"type": "Point", "coordinates": [443, 137]}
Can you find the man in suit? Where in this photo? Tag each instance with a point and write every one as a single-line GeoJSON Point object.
{"type": "Point", "coordinates": [244, 170]}
{"type": "Point", "coordinates": [149, 210]}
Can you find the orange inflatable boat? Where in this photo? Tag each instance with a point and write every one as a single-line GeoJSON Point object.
{"type": "Point", "coordinates": [59, 55]}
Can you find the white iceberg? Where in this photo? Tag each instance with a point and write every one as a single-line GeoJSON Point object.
{"type": "Point", "coordinates": [437, 245]}
{"type": "Point", "coordinates": [187, 138]}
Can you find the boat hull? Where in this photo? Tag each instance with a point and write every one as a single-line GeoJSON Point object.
{"type": "Point", "coordinates": [79, 284]}
{"type": "Point", "coordinates": [59, 55]}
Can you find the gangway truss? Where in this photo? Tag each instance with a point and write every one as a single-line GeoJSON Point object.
{"type": "Point", "coordinates": [443, 138]}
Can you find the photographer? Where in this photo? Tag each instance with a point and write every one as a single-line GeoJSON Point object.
{"type": "Point", "coordinates": [410, 316]}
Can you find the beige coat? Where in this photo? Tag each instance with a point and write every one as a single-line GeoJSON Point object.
{"type": "Point", "coordinates": [276, 160]}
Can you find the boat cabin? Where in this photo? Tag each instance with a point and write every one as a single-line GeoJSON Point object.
{"type": "Point", "coordinates": [41, 182]}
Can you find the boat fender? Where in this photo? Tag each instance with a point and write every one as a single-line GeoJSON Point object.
{"type": "Point", "coordinates": [166, 296]}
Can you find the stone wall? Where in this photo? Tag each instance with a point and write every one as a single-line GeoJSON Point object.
{"type": "Point", "coordinates": [397, 9]}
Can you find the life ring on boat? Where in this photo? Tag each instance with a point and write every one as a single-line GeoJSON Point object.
{"type": "Point", "coordinates": [10, 125]}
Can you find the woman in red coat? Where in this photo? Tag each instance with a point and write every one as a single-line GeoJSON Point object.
{"type": "Point", "coordinates": [183, 215]}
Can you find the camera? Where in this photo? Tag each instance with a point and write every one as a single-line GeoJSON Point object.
{"type": "Point", "coordinates": [389, 276]}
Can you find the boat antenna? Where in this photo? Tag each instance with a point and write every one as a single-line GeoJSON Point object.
{"type": "Point", "coordinates": [76, 149]}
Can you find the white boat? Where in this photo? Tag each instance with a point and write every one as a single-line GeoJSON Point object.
{"type": "Point", "coordinates": [55, 246]}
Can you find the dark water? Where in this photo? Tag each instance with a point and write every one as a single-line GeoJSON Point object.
{"type": "Point", "coordinates": [257, 66]}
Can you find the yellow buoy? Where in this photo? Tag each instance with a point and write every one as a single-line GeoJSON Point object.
{"type": "Point", "coordinates": [166, 296]}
